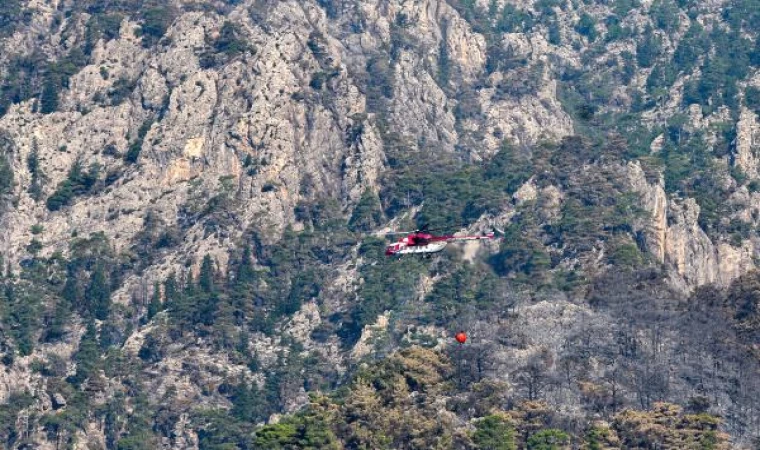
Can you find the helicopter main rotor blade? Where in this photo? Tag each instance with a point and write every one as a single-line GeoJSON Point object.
{"type": "Point", "coordinates": [464, 225]}
{"type": "Point", "coordinates": [396, 232]}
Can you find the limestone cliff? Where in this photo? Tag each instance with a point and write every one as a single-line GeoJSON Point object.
{"type": "Point", "coordinates": [674, 237]}
{"type": "Point", "coordinates": [184, 128]}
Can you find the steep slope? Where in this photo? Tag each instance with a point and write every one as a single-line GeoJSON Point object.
{"type": "Point", "coordinates": [189, 188]}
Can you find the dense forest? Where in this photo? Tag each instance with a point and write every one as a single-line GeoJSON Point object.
{"type": "Point", "coordinates": [250, 305]}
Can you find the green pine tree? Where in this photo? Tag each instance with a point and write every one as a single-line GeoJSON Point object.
{"type": "Point", "coordinates": [98, 295]}
{"type": "Point", "coordinates": [648, 49]}
{"type": "Point", "coordinates": [244, 402]}
{"type": "Point", "coordinates": [6, 176]}
{"type": "Point", "coordinates": [87, 356]}
{"type": "Point", "coordinates": [71, 286]}
{"type": "Point", "coordinates": [182, 303]}
{"type": "Point", "coordinates": [170, 290]}
{"type": "Point", "coordinates": [49, 97]}
{"type": "Point", "coordinates": [155, 302]}
{"type": "Point", "coordinates": [367, 214]}
{"type": "Point", "coordinates": [494, 433]}
{"type": "Point", "coordinates": [56, 326]}
{"type": "Point", "coordinates": [189, 284]}
{"type": "Point", "coordinates": [245, 273]}
{"type": "Point", "coordinates": [206, 280]}
{"type": "Point", "coordinates": [22, 318]}
{"type": "Point", "coordinates": [548, 439]}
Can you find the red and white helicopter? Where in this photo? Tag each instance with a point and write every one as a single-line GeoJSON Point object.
{"type": "Point", "coordinates": [422, 242]}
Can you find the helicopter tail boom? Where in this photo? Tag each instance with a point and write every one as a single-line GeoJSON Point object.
{"type": "Point", "coordinates": [463, 238]}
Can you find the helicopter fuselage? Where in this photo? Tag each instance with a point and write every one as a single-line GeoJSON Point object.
{"type": "Point", "coordinates": [400, 248]}
{"type": "Point", "coordinates": [424, 243]}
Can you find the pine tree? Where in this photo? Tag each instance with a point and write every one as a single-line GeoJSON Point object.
{"type": "Point", "coordinates": [87, 355]}
{"type": "Point", "coordinates": [49, 97]}
{"type": "Point", "coordinates": [206, 311]}
{"type": "Point", "coordinates": [181, 309]}
{"type": "Point", "coordinates": [56, 327]}
{"type": "Point", "coordinates": [494, 432]}
{"type": "Point", "coordinates": [555, 35]}
{"type": "Point", "coordinates": [23, 319]}
{"type": "Point", "coordinates": [188, 285]}
{"type": "Point", "coordinates": [206, 280]}
{"type": "Point", "coordinates": [649, 48]}
{"type": "Point", "coordinates": [242, 402]}
{"type": "Point", "coordinates": [155, 302]}
{"type": "Point", "coordinates": [242, 291]}
{"type": "Point", "coordinates": [6, 177]}
{"type": "Point", "coordinates": [246, 274]}
{"type": "Point", "coordinates": [20, 306]}
{"type": "Point", "coordinates": [367, 214]}
{"type": "Point", "coordinates": [139, 433]}
{"type": "Point", "coordinates": [444, 63]}
{"type": "Point", "coordinates": [33, 164]}
{"type": "Point", "coordinates": [112, 419]}
{"type": "Point", "coordinates": [170, 290]}
{"type": "Point", "coordinates": [548, 439]}
{"type": "Point", "coordinates": [71, 287]}
{"type": "Point", "coordinates": [98, 295]}
{"type": "Point", "coordinates": [586, 27]}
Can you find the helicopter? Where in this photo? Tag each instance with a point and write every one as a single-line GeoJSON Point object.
{"type": "Point", "coordinates": [422, 242]}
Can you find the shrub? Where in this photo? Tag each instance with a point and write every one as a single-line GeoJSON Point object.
{"type": "Point", "coordinates": [549, 439]}
{"type": "Point", "coordinates": [76, 183]}
{"type": "Point", "coordinates": [586, 26]}
{"type": "Point", "coordinates": [156, 21]}
{"type": "Point", "coordinates": [6, 176]}
{"type": "Point", "coordinates": [12, 14]}
{"type": "Point", "coordinates": [494, 432]}
{"type": "Point", "coordinates": [136, 147]}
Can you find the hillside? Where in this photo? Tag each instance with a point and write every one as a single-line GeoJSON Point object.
{"type": "Point", "coordinates": [193, 195]}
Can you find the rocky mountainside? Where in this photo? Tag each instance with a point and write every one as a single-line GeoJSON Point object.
{"type": "Point", "coordinates": [193, 194]}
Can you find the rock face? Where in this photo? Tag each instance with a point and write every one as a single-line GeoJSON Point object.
{"type": "Point", "coordinates": [672, 234]}
{"type": "Point", "coordinates": [257, 128]}
{"type": "Point", "coordinates": [523, 106]}
{"type": "Point", "coordinates": [213, 142]}
{"type": "Point", "coordinates": [370, 333]}
{"type": "Point", "coordinates": [747, 143]}
{"type": "Point", "coordinates": [211, 121]}
{"type": "Point", "coordinates": [696, 259]}
{"type": "Point", "coordinates": [687, 247]}
{"type": "Point", "coordinates": [526, 193]}
{"type": "Point", "coordinates": [655, 203]}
